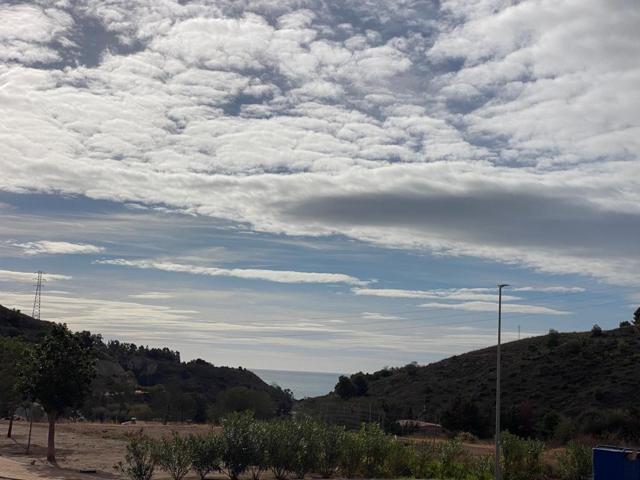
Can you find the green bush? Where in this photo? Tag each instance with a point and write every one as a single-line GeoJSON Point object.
{"type": "Point", "coordinates": [345, 388]}
{"type": "Point", "coordinates": [399, 460]}
{"type": "Point", "coordinates": [259, 461]}
{"type": "Point", "coordinates": [375, 449]}
{"type": "Point", "coordinates": [481, 467]}
{"type": "Point", "coordinates": [352, 455]}
{"type": "Point", "coordinates": [236, 443]}
{"type": "Point", "coordinates": [423, 460]}
{"type": "Point", "coordinates": [174, 455]}
{"type": "Point", "coordinates": [575, 462]}
{"type": "Point", "coordinates": [331, 446]}
{"type": "Point", "coordinates": [243, 399]}
{"type": "Point", "coordinates": [307, 445]}
{"type": "Point", "coordinates": [449, 455]}
{"type": "Point", "coordinates": [206, 453]}
{"type": "Point", "coordinates": [521, 458]}
{"type": "Point", "coordinates": [553, 339]}
{"type": "Point", "coordinates": [444, 460]}
{"type": "Point", "coordinates": [281, 447]}
{"type": "Point", "coordinates": [140, 458]}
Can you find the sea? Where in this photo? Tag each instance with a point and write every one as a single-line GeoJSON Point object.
{"type": "Point", "coordinates": [302, 384]}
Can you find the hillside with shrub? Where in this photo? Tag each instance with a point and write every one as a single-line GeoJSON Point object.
{"type": "Point", "coordinates": [146, 383]}
{"type": "Point", "coordinates": [556, 385]}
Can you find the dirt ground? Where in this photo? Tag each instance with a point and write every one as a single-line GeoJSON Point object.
{"type": "Point", "coordinates": [80, 447]}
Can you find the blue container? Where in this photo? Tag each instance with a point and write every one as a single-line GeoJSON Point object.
{"type": "Point", "coordinates": [615, 463]}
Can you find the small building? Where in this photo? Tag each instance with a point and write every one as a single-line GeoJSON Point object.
{"type": "Point", "coordinates": [421, 428]}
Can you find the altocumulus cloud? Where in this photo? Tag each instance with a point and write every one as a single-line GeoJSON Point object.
{"type": "Point", "coordinates": [488, 129]}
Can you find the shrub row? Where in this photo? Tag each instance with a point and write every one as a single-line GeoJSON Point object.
{"type": "Point", "coordinates": [294, 448]}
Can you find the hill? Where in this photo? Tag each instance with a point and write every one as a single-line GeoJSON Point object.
{"type": "Point", "coordinates": [556, 384]}
{"type": "Point", "coordinates": [153, 383]}
{"type": "Point", "coordinates": [13, 323]}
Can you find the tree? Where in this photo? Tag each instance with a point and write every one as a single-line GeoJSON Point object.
{"type": "Point", "coordinates": [243, 399]}
{"type": "Point", "coordinates": [360, 383]}
{"type": "Point", "coordinates": [236, 439]}
{"type": "Point", "coordinates": [174, 455]}
{"type": "Point", "coordinates": [463, 415]}
{"type": "Point", "coordinates": [58, 374]}
{"type": "Point", "coordinates": [140, 459]}
{"type": "Point", "coordinates": [206, 453]}
{"type": "Point", "coordinates": [345, 388]}
{"type": "Point", "coordinates": [11, 350]}
{"type": "Point", "coordinates": [596, 331]}
{"type": "Point", "coordinates": [636, 316]}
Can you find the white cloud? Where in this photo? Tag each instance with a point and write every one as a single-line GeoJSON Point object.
{"type": "Point", "coordinates": [379, 316]}
{"type": "Point", "coordinates": [27, 33]}
{"type": "Point", "coordinates": [57, 248]}
{"type": "Point", "coordinates": [29, 277]}
{"type": "Point", "coordinates": [513, 137]}
{"type": "Point", "coordinates": [279, 276]}
{"type": "Point", "coordinates": [492, 307]}
{"type": "Point", "coordinates": [102, 316]}
{"type": "Point", "coordinates": [152, 295]}
{"type": "Point", "coordinates": [551, 289]}
{"type": "Point", "coordinates": [462, 294]}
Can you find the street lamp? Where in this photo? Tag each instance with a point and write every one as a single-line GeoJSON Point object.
{"type": "Point", "coordinates": [498, 473]}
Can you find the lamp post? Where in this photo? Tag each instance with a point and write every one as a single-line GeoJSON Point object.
{"type": "Point", "coordinates": [498, 472]}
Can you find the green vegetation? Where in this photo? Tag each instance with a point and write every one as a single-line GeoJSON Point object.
{"type": "Point", "coordinates": [57, 373]}
{"type": "Point", "coordinates": [142, 382]}
{"type": "Point", "coordinates": [11, 349]}
{"type": "Point", "coordinates": [521, 458]}
{"type": "Point", "coordinates": [575, 462]}
{"type": "Point", "coordinates": [236, 439]}
{"type": "Point", "coordinates": [294, 448]}
{"type": "Point", "coordinates": [174, 455]}
{"type": "Point", "coordinates": [354, 386]}
{"type": "Point", "coordinates": [206, 454]}
{"type": "Point", "coordinates": [140, 459]}
{"type": "Point", "coordinates": [554, 387]}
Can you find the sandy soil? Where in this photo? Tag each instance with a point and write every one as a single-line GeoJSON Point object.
{"type": "Point", "coordinates": [80, 447]}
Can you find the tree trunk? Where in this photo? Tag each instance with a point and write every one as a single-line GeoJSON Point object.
{"type": "Point", "coordinates": [51, 440]}
{"type": "Point", "coordinates": [10, 431]}
{"type": "Point", "coordinates": [30, 427]}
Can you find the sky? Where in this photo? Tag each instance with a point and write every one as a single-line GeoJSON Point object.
{"type": "Point", "coordinates": [320, 185]}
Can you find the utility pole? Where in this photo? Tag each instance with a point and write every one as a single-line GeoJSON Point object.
{"type": "Point", "coordinates": [518, 332]}
{"type": "Point", "coordinates": [498, 353]}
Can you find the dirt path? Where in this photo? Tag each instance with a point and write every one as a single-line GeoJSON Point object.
{"type": "Point", "coordinates": [11, 469]}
